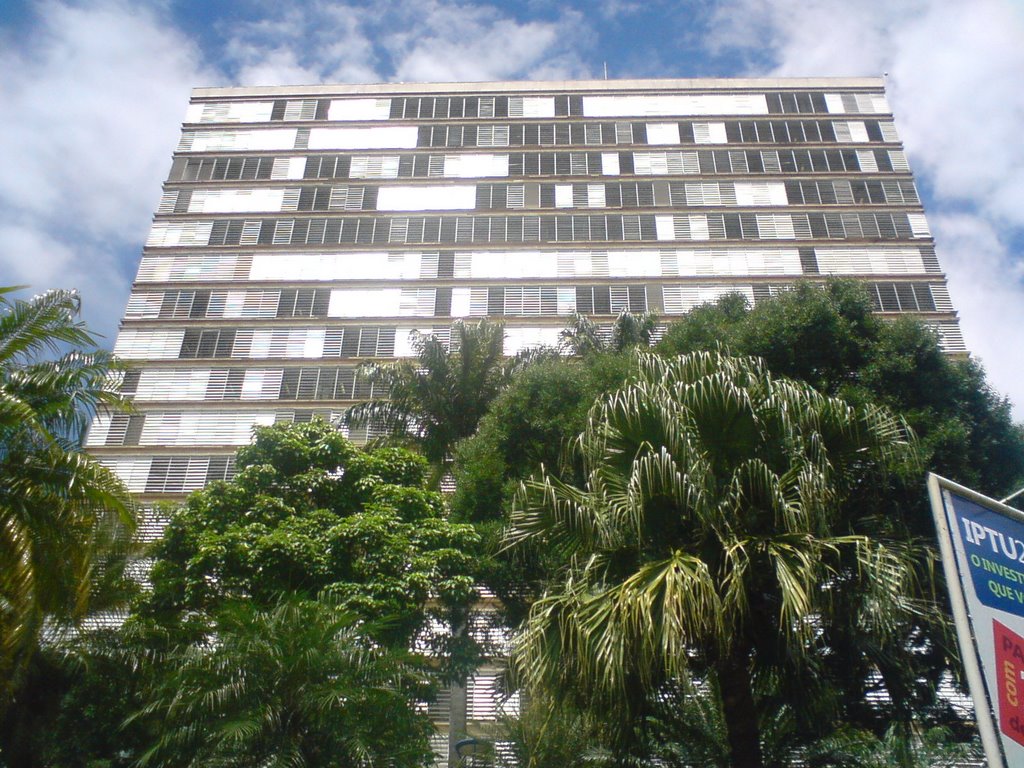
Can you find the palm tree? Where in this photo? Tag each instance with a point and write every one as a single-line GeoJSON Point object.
{"type": "Point", "coordinates": [584, 337]}
{"type": "Point", "coordinates": [298, 684]}
{"type": "Point", "coordinates": [437, 397]}
{"type": "Point", "coordinates": [63, 516]}
{"type": "Point", "coordinates": [549, 734]}
{"type": "Point", "coordinates": [933, 747]}
{"type": "Point", "coordinates": [705, 538]}
{"type": "Point", "coordinates": [686, 729]}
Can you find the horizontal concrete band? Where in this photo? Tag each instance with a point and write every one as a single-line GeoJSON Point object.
{"type": "Point", "coordinates": [543, 86]}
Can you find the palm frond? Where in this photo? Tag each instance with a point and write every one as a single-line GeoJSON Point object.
{"type": "Point", "coordinates": [279, 684]}
{"type": "Point", "coordinates": [65, 520]}
{"type": "Point", "coordinates": [709, 526]}
{"type": "Point", "coordinates": [41, 325]}
{"type": "Point", "coordinates": [438, 397]}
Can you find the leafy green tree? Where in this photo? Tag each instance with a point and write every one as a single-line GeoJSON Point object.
{"type": "Point", "coordinates": [549, 734]}
{"type": "Point", "coordinates": [312, 535]}
{"type": "Point", "coordinates": [704, 538]}
{"type": "Point", "coordinates": [434, 400]}
{"type": "Point", "coordinates": [65, 521]}
{"type": "Point", "coordinates": [438, 397]}
{"type": "Point", "coordinates": [77, 694]}
{"type": "Point", "coordinates": [829, 337]}
{"type": "Point", "coordinates": [529, 424]}
{"type": "Point", "coordinates": [299, 683]}
{"type": "Point", "coordinates": [686, 728]}
{"type": "Point", "coordinates": [309, 512]}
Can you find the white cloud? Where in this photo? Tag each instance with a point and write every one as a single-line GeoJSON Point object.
{"type": "Point", "coordinates": [407, 40]}
{"type": "Point", "coordinates": [954, 74]}
{"type": "Point", "coordinates": [308, 43]}
{"type": "Point", "coordinates": [93, 98]}
{"type": "Point", "coordinates": [458, 41]}
{"type": "Point", "coordinates": [42, 261]}
{"type": "Point", "coordinates": [986, 283]}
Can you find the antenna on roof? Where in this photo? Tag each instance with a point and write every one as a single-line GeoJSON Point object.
{"type": "Point", "coordinates": [606, 70]}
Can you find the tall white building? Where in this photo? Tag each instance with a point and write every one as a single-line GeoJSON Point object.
{"type": "Point", "coordinates": [305, 230]}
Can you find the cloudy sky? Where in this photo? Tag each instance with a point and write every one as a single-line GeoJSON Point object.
{"type": "Point", "coordinates": [92, 94]}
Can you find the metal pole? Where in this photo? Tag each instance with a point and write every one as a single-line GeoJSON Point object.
{"type": "Point", "coordinates": [975, 681]}
{"type": "Point", "coordinates": [1013, 495]}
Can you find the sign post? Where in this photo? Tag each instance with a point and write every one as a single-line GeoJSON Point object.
{"type": "Point", "coordinates": [982, 544]}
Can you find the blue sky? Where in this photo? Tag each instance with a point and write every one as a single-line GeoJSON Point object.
{"type": "Point", "coordinates": [92, 94]}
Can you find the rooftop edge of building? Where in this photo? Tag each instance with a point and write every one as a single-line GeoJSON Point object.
{"type": "Point", "coordinates": [540, 86]}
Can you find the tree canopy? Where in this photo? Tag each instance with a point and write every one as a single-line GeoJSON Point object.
{"type": "Point", "coordinates": [702, 539]}
{"type": "Point", "coordinates": [829, 337]}
{"type": "Point", "coordinates": [439, 396]}
{"type": "Point", "coordinates": [308, 512]}
{"type": "Point", "coordinates": [297, 684]}
{"type": "Point", "coordinates": [65, 520]}
{"type": "Point", "coordinates": [701, 535]}
{"type": "Point", "coordinates": [528, 425]}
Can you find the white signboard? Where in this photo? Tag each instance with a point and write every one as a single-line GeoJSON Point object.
{"type": "Point", "coordinates": [982, 544]}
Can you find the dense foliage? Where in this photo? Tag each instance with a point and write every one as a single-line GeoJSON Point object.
{"type": "Point", "coordinates": [437, 397]}
{"type": "Point", "coordinates": [528, 425]}
{"type": "Point", "coordinates": [297, 684]}
{"type": "Point", "coordinates": [309, 512]}
{"type": "Point", "coordinates": [694, 556]}
{"type": "Point", "coordinates": [710, 518]}
{"type": "Point", "coordinates": [829, 337]}
{"type": "Point", "coordinates": [65, 521]}
{"type": "Point", "coordinates": [277, 622]}
{"type": "Point", "coordinates": [78, 693]}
